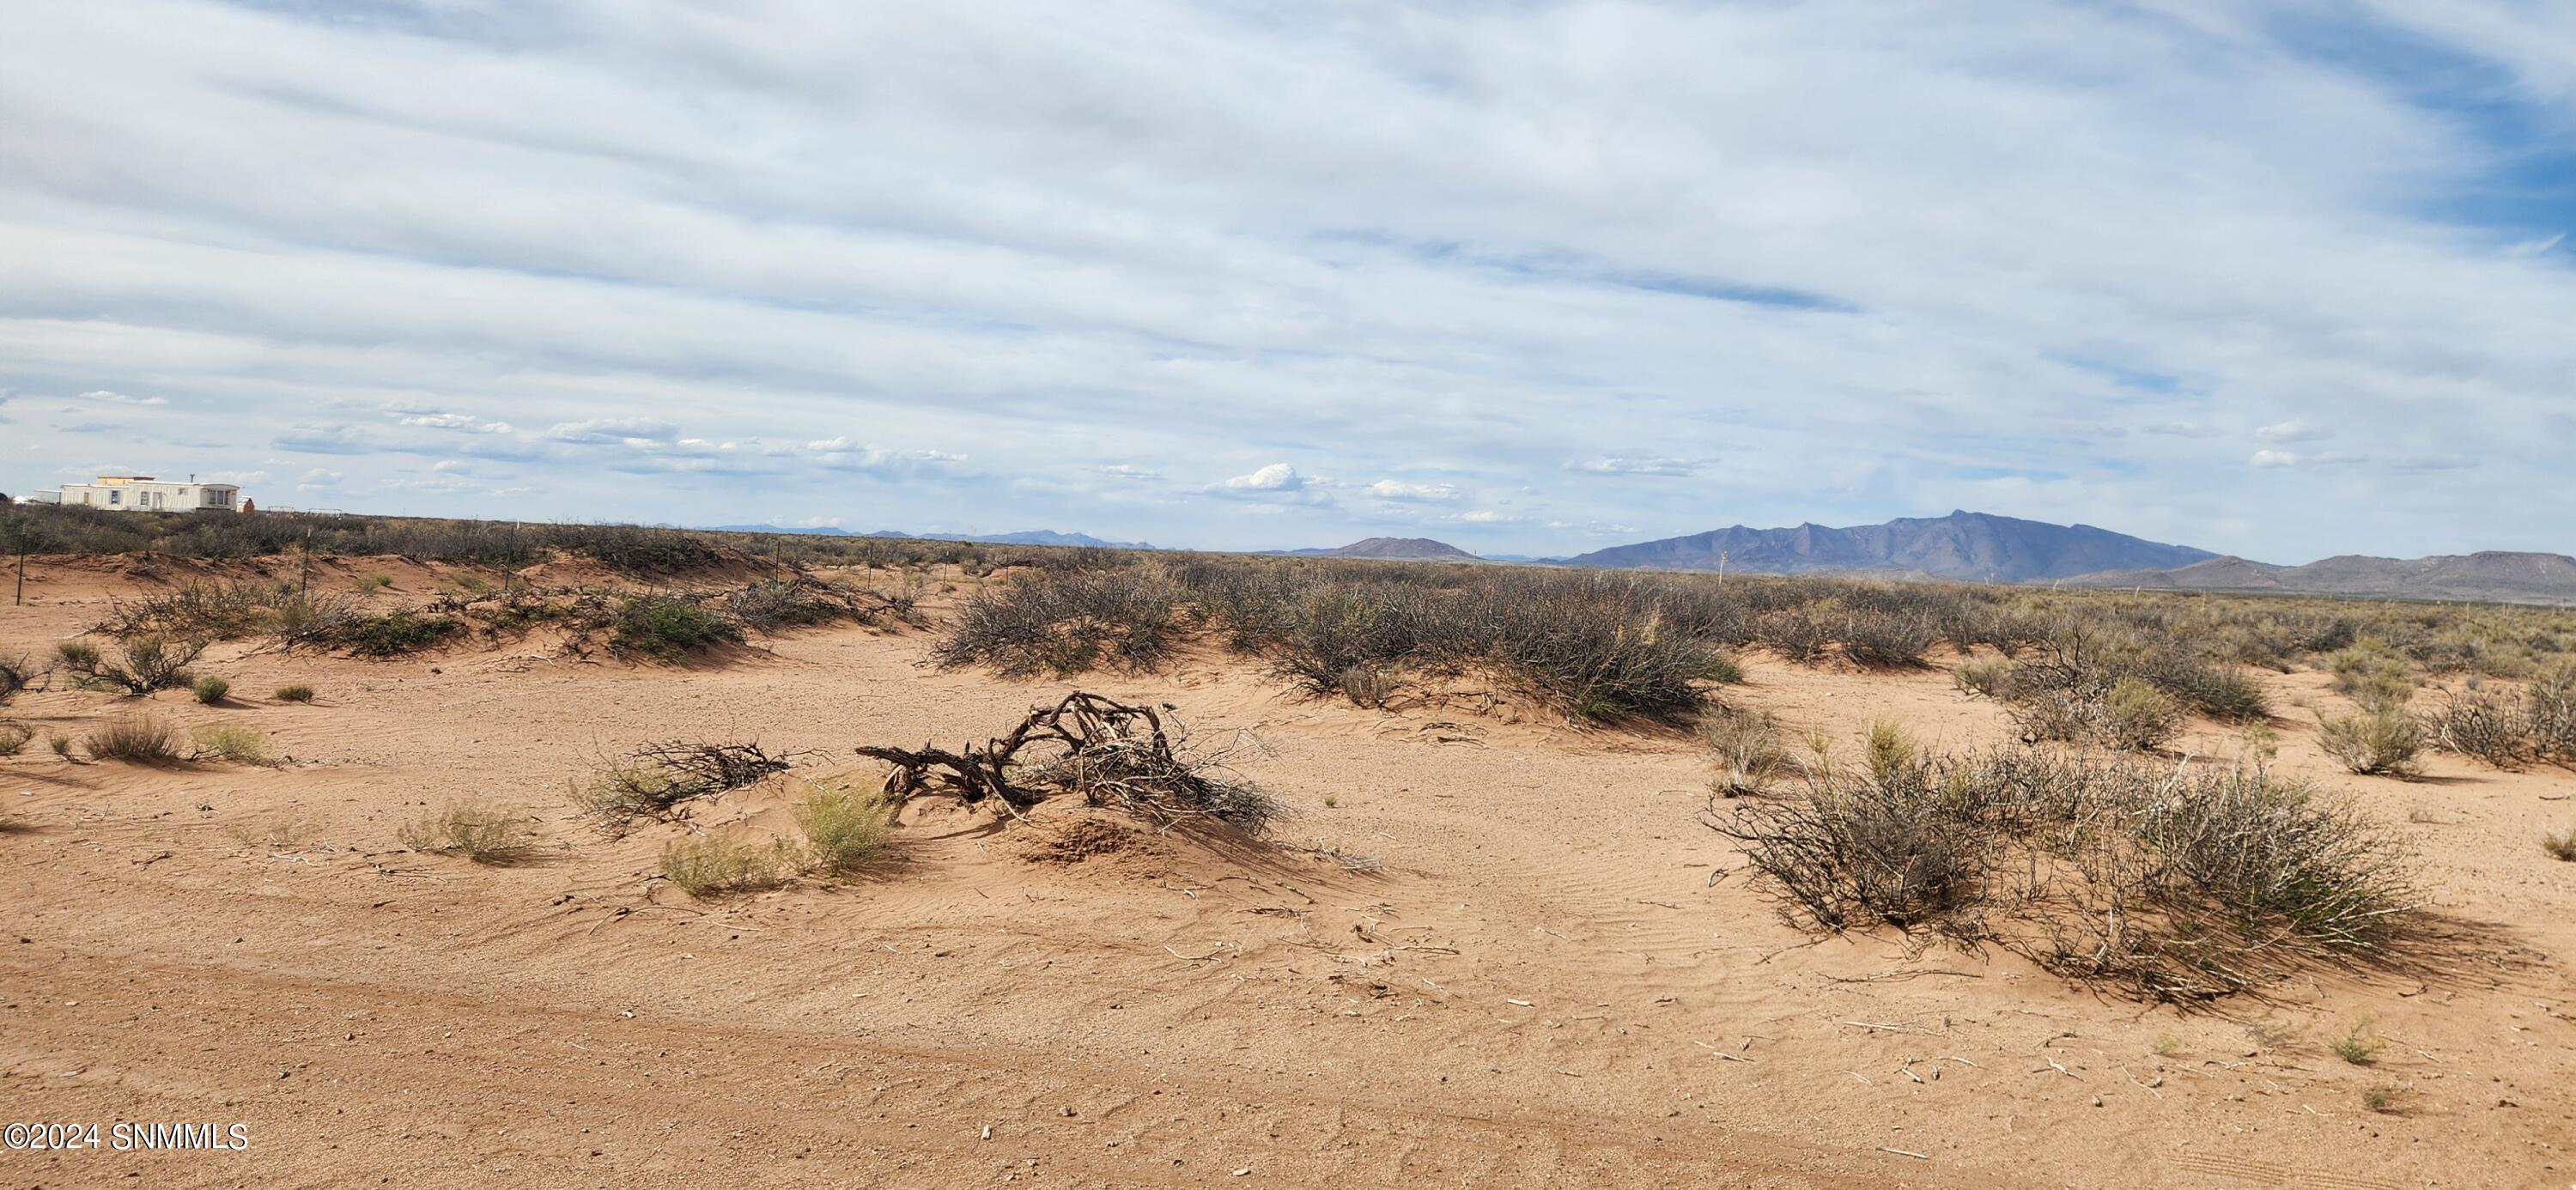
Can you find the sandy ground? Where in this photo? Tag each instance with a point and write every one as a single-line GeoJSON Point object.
{"type": "Point", "coordinates": [1551, 976]}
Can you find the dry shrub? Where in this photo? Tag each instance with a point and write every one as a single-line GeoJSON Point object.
{"type": "Point", "coordinates": [1106, 752]}
{"type": "Point", "coordinates": [845, 827]}
{"type": "Point", "coordinates": [1991, 677]}
{"type": "Point", "coordinates": [726, 863]}
{"type": "Point", "coordinates": [17, 675]}
{"type": "Point", "coordinates": [146, 663]}
{"type": "Point", "coordinates": [2550, 710]}
{"type": "Point", "coordinates": [2483, 724]}
{"type": "Point", "coordinates": [135, 739]}
{"type": "Point", "coordinates": [2170, 885]}
{"type": "Point", "coordinates": [2381, 742]}
{"type": "Point", "coordinates": [1888, 639]}
{"type": "Point", "coordinates": [14, 737]}
{"type": "Point", "coordinates": [299, 692]}
{"type": "Point", "coordinates": [2372, 674]}
{"type": "Point", "coordinates": [211, 690]}
{"type": "Point", "coordinates": [1065, 624]}
{"type": "Point", "coordinates": [390, 635]}
{"type": "Point", "coordinates": [655, 779]}
{"type": "Point", "coordinates": [481, 833]}
{"type": "Point", "coordinates": [1746, 752]}
{"type": "Point", "coordinates": [2561, 846]}
{"type": "Point", "coordinates": [2129, 713]}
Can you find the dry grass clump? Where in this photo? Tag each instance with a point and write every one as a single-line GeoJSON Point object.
{"type": "Point", "coordinates": [228, 741]}
{"type": "Point", "coordinates": [2382, 742]}
{"type": "Point", "coordinates": [135, 739]}
{"type": "Point", "coordinates": [210, 689]}
{"type": "Point", "coordinates": [14, 737]}
{"type": "Point", "coordinates": [145, 663]}
{"type": "Point", "coordinates": [845, 828]}
{"type": "Point", "coordinates": [2372, 674]}
{"type": "Point", "coordinates": [2561, 846]}
{"type": "Point", "coordinates": [481, 833]}
{"type": "Point", "coordinates": [1987, 676]}
{"type": "Point", "coordinates": [726, 863]}
{"type": "Point", "coordinates": [298, 692]}
{"type": "Point", "coordinates": [657, 778]}
{"type": "Point", "coordinates": [2168, 884]}
{"type": "Point", "coordinates": [1746, 752]}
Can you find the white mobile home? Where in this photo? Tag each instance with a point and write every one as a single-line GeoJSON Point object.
{"type": "Point", "coordinates": [142, 493]}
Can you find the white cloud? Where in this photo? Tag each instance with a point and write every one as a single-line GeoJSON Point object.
{"type": "Point", "coordinates": [118, 398]}
{"type": "Point", "coordinates": [459, 421]}
{"type": "Point", "coordinates": [1389, 489]}
{"type": "Point", "coordinates": [615, 431]}
{"type": "Point", "coordinates": [2275, 458]}
{"type": "Point", "coordinates": [2293, 430]}
{"type": "Point", "coordinates": [1545, 245]}
{"type": "Point", "coordinates": [1277, 477]}
{"type": "Point", "coordinates": [1633, 465]}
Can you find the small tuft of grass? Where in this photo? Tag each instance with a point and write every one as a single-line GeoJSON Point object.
{"type": "Point", "coordinates": [374, 582]}
{"type": "Point", "coordinates": [845, 827]}
{"type": "Point", "coordinates": [2381, 1098]}
{"type": "Point", "coordinates": [298, 692]}
{"type": "Point", "coordinates": [269, 833]}
{"type": "Point", "coordinates": [471, 829]}
{"type": "Point", "coordinates": [1745, 752]}
{"type": "Point", "coordinates": [230, 741]}
{"type": "Point", "coordinates": [135, 739]}
{"type": "Point", "coordinates": [2356, 1045]}
{"type": "Point", "coordinates": [720, 864]}
{"type": "Point", "coordinates": [2561, 846]}
{"type": "Point", "coordinates": [61, 744]}
{"type": "Point", "coordinates": [2166, 1045]}
{"type": "Point", "coordinates": [211, 690]}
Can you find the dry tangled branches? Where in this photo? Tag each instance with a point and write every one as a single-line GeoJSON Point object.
{"type": "Point", "coordinates": [1107, 752]}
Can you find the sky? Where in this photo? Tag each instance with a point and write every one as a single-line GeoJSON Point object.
{"type": "Point", "coordinates": [2279, 279]}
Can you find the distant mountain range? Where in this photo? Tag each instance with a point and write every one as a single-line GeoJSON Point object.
{"type": "Point", "coordinates": [1024, 537]}
{"type": "Point", "coordinates": [1963, 546]}
{"type": "Point", "coordinates": [1421, 549]}
{"type": "Point", "coordinates": [2493, 575]}
{"type": "Point", "coordinates": [1960, 547]}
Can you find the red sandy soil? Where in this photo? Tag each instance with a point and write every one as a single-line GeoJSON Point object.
{"type": "Point", "coordinates": [1552, 975]}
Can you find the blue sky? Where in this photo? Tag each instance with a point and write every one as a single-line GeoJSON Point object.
{"type": "Point", "coordinates": [2279, 279]}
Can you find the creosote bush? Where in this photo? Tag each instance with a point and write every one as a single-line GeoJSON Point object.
{"type": "Point", "coordinates": [478, 832]}
{"type": "Point", "coordinates": [2382, 742]}
{"type": "Point", "coordinates": [2169, 884]}
{"type": "Point", "coordinates": [1061, 625]}
{"type": "Point", "coordinates": [211, 690]}
{"type": "Point", "coordinates": [668, 628]}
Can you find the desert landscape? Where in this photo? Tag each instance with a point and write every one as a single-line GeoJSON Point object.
{"type": "Point", "coordinates": [549, 858]}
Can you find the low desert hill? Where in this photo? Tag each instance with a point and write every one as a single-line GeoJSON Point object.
{"type": "Point", "coordinates": [1970, 546]}
{"type": "Point", "coordinates": [1418, 549]}
{"type": "Point", "coordinates": [2492, 575]}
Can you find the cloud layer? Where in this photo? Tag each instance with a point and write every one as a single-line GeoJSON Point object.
{"type": "Point", "coordinates": [2283, 280]}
